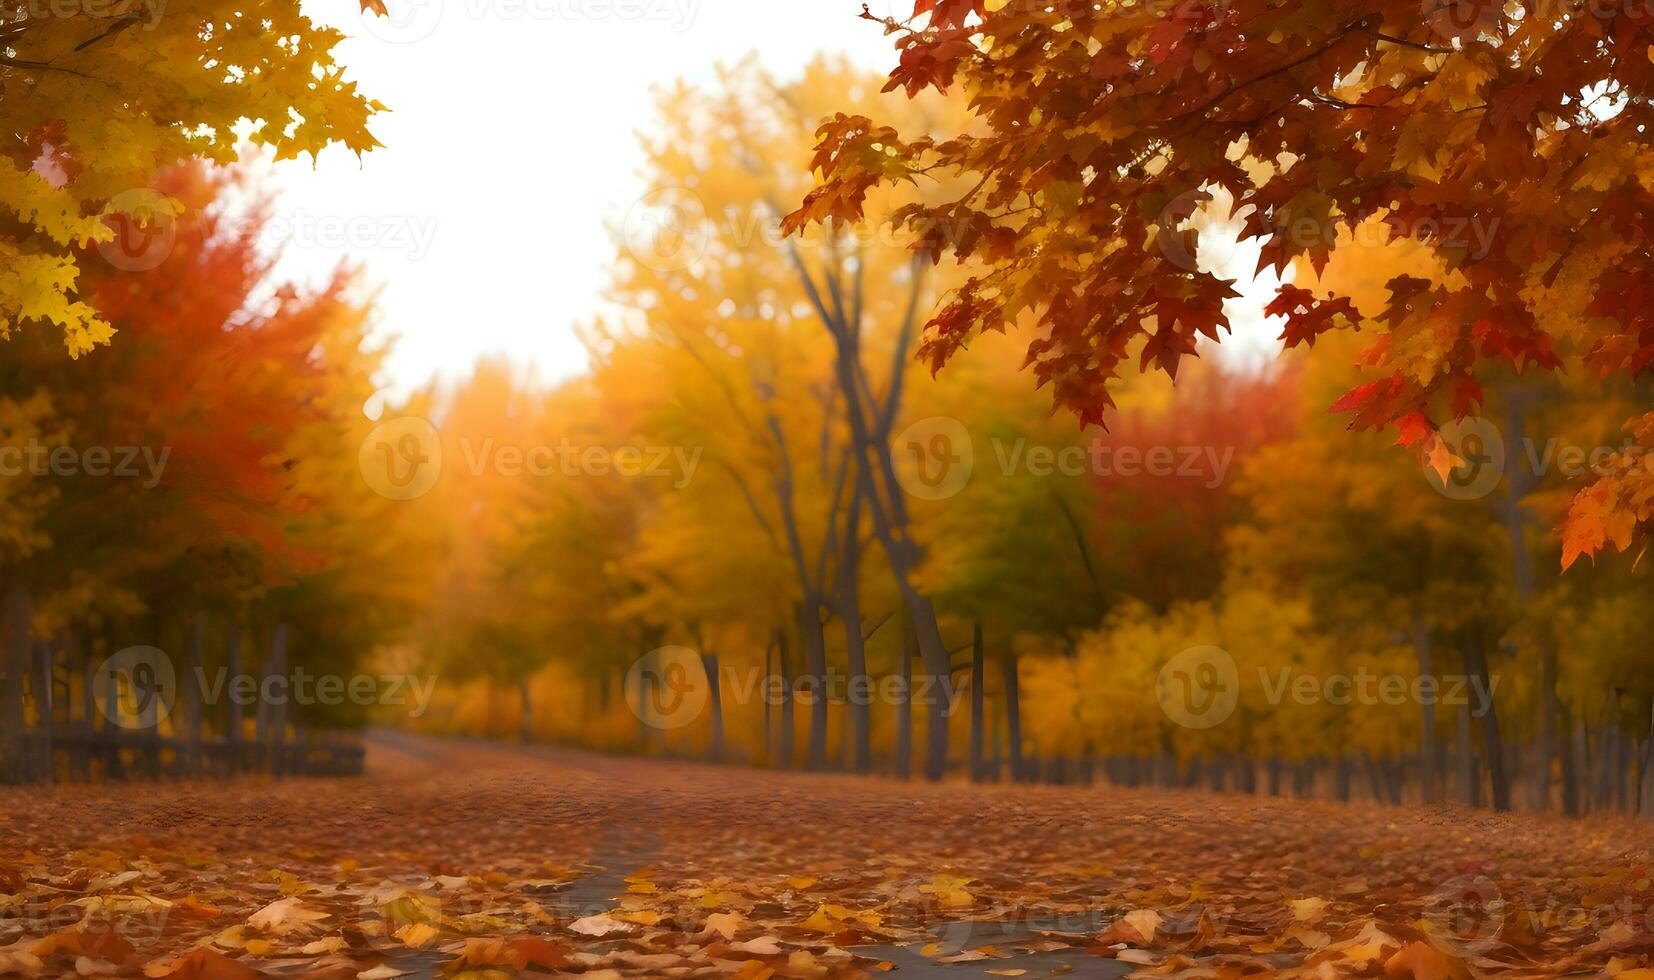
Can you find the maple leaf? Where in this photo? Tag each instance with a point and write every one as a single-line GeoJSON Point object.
{"type": "Point", "coordinates": [1440, 458]}
{"type": "Point", "coordinates": [949, 13]}
{"type": "Point", "coordinates": [1421, 961]}
{"type": "Point", "coordinates": [283, 916]}
{"type": "Point", "coordinates": [201, 964]}
{"type": "Point", "coordinates": [1414, 427]}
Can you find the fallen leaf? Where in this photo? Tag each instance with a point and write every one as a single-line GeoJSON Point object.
{"type": "Point", "coordinates": [597, 925]}
{"type": "Point", "coordinates": [283, 916]}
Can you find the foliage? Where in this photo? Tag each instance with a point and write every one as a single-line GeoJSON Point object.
{"type": "Point", "coordinates": [97, 100]}
{"type": "Point", "coordinates": [1513, 148]}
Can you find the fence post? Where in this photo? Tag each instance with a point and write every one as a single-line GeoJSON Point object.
{"type": "Point", "coordinates": [88, 703]}
{"type": "Point", "coordinates": [191, 690]}
{"type": "Point", "coordinates": [232, 733]}
{"type": "Point", "coordinates": [278, 711]}
{"type": "Point", "coordinates": [114, 731]}
{"type": "Point", "coordinates": [45, 707]}
{"type": "Point", "coordinates": [18, 613]}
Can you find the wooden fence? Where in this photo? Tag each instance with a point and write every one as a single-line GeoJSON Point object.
{"type": "Point", "coordinates": [74, 730]}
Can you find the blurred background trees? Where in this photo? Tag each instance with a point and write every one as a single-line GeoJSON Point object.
{"type": "Point", "coordinates": [883, 572]}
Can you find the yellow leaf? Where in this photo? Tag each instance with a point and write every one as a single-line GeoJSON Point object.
{"type": "Point", "coordinates": [416, 934]}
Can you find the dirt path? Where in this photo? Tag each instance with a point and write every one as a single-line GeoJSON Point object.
{"type": "Point", "coordinates": [540, 860]}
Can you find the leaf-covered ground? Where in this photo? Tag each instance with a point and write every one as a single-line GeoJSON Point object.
{"type": "Point", "coordinates": [469, 859]}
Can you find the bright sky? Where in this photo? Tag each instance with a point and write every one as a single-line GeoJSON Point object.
{"type": "Point", "coordinates": [510, 152]}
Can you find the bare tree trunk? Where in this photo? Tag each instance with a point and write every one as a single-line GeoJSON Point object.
{"type": "Point", "coordinates": [1572, 746]}
{"type": "Point", "coordinates": [278, 711]}
{"type": "Point", "coordinates": [870, 430]}
{"type": "Point", "coordinates": [784, 751]}
{"type": "Point", "coordinates": [234, 721]}
{"type": "Point", "coordinates": [1375, 782]}
{"type": "Point", "coordinates": [1492, 745]}
{"type": "Point", "coordinates": [855, 645]}
{"type": "Point", "coordinates": [996, 760]}
{"type": "Point", "coordinates": [525, 724]}
{"type": "Point", "coordinates": [1013, 715]}
{"type": "Point", "coordinates": [14, 667]}
{"type": "Point", "coordinates": [715, 696]}
{"type": "Point", "coordinates": [1427, 707]}
{"type": "Point", "coordinates": [1622, 780]}
{"type": "Point", "coordinates": [815, 670]}
{"type": "Point", "coordinates": [1582, 767]}
{"type": "Point", "coordinates": [769, 707]}
{"type": "Point", "coordinates": [1468, 780]}
{"type": "Point", "coordinates": [978, 769]}
{"type": "Point", "coordinates": [88, 699]}
{"type": "Point", "coordinates": [45, 697]}
{"type": "Point", "coordinates": [1545, 747]}
{"type": "Point", "coordinates": [1645, 778]}
{"type": "Point", "coordinates": [904, 706]}
{"type": "Point", "coordinates": [190, 688]}
{"type": "Point", "coordinates": [114, 762]}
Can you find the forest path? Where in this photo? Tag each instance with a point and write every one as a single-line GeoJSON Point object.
{"type": "Point", "coordinates": [453, 849]}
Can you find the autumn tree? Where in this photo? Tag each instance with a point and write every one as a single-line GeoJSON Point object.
{"type": "Point", "coordinates": [1509, 143]}
{"type": "Point", "coordinates": [97, 99]}
{"type": "Point", "coordinates": [246, 503]}
{"type": "Point", "coordinates": [720, 260]}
